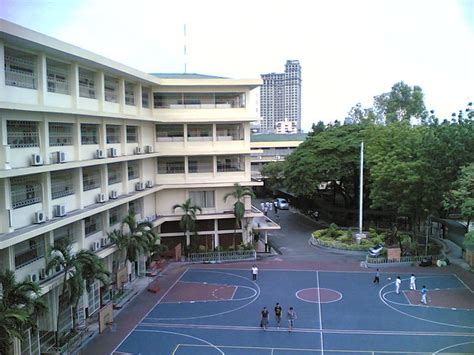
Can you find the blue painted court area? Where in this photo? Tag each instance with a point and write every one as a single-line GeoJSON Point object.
{"type": "Point", "coordinates": [337, 313]}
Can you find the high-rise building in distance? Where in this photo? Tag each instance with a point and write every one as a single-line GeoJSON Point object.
{"type": "Point", "coordinates": [280, 98]}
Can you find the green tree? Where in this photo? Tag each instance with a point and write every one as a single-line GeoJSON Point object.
{"type": "Point", "coordinates": [317, 128]}
{"type": "Point", "coordinates": [78, 269]}
{"type": "Point", "coordinates": [239, 193]}
{"type": "Point", "coordinates": [20, 306]}
{"type": "Point", "coordinates": [273, 173]}
{"type": "Point", "coordinates": [188, 220]}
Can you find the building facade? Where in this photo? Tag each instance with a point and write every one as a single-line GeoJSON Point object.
{"type": "Point", "coordinates": [85, 139]}
{"type": "Point", "coordinates": [280, 98]}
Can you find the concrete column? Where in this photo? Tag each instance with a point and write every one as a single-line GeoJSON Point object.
{"type": "Point", "coordinates": [138, 98]}
{"type": "Point", "coordinates": [47, 202]}
{"type": "Point", "coordinates": [216, 233]}
{"type": "Point", "coordinates": [44, 140]}
{"type": "Point", "coordinates": [79, 186]}
{"type": "Point", "coordinates": [99, 91]}
{"type": "Point", "coordinates": [5, 152]}
{"type": "Point", "coordinates": [42, 78]}
{"type": "Point", "coordinates": [104, 178]}
{"type": "Point", "coordinates": [74, 84]}
{"type": "Point", "coordinates": [77, 138]}
{"type": "Point", "coordinates": [123, 138]}
{"type": "Point", "coordinates": [121, 94]}
{"type": "Point", "coordinates": [2, 71]}
{"type": "Point", "coordinates": [5, 207]}
{"type": "Point", "coordinates": [102, 134]}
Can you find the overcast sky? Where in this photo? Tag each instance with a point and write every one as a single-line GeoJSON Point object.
{"type": "Point", "coordinates": [349, 50]}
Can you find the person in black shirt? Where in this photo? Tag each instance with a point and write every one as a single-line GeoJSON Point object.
{"type": "Point", "coordinates": [264, 320]}
{"type": "Point", "coordinates": [278, 314]}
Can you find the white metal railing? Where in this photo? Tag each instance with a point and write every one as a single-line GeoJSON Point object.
{"type": "Point", "coordinates": [26, 195]}
{"type": "Point", "coordinates": [58, 86]}
{"type": "Point", "coordinates": [402, 259]}
{"type": "Point", "coordinates": [110, 96]}
{"type": "Point", "coordinates": [86, 91]}
{"type": "Point", "coordinates": [218, 256]}
{"type": "Point", "coordinates": [18, 78]}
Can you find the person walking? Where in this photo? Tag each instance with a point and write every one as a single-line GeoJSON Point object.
{"type": "Point", "coordinates": [278, 311]}
{"type": "Point", "coordinates": [398, 283]}
{"type": "Point", "coordinates": [291, 316]}
{"type": "Point", "coordinates": [262, 206]}
{"type": "Point", "coordinates": [254, 272]}
{"type": "Point", "coordinates": [412, 282]}
{"type": "Point", "coordinates": [377, 277]}
{"type": "Point", "coordinates": [424, 291]}
{"type": "Point", "coordinates": [264, 319]}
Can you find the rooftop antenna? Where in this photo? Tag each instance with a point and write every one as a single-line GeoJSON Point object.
{"type": "Point", "coordinates": [185, 69]}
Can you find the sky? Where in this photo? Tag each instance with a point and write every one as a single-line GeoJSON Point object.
{"type": "Point", "coordinates": [349, 50]}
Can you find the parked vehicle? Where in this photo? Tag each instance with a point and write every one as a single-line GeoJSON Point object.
{"type": "Point", "coordinates": [281, 203]}
{"type": "Point", "coordinates": [376, 250]}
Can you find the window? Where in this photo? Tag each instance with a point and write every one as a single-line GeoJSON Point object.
{"type": "Point", "coordinates": [114, 172]}
{"type": "Point", "coordinates": [58, 77]}
{"type": "Point", "coordinates": [91, 178]}
{"type": "Point", "coordinates": [135, 206]}
{"type": "Point", "coordinates": [169, 133]}
{"type": "Point", "coordinates": [200, 165]}
{"type": "Point", "coordinates": [62, 183]}
{"type": "Point", "coordinates": [25, 190]}
{"type": "Point", "coordinates": [230, 100]}
{"type": "Point", "coordinates": [199, 132]}
{"type": "Point", "coordinates": [133, 170]}
{"type": "Point", "coordinates": [204, 199]}
{"type": "Point", "coordinates": [230, 163]}
{"type": "Point", "coordinates": [171, 165]}
{"type": "Point", "coordinates": [20, 69]}
{"type": "Point", "coordinates": [115, 215]}
{"type": "Point", "coordinates": [89, 134]}
{"type": "Point", "coordinates": [132, 134]}
{"type": "Point", "coordinates": [93, 295]}
{"type": "Point", "coordinates": [111, 88]}
{"type": "Point", "coordinates": [28, 251]}
{"type": "Point", "coordinates": [145, 97]}
{"type": "Point", "coordinates": [64, 233]}
{"type": "Point", "coordinates": [86, 83]}
{"type": "Point", "coordinates": [60, 134]}
{"type": "Point", "coordinates": [227, 132]}
{"type": "Point", "coordinates": [113, 134]}
{"type": "Point", "coordinates": [22, 134]}
{"type": "Point", "coordinates": [130, 94]}
{"type": "Point", "coordinates": [167, 100]}
{"type": "Point", "coordinates": [92, 225]}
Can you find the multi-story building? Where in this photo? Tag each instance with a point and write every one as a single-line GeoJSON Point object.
{"type": "Point", "coordinates": [85, 139]}
{"type": "Point", "coordinates": [280, 97]}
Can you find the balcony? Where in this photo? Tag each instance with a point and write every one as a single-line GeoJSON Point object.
{"type": "Point", "coordinates": [58, 77]}
{"type": "Point", "coordinates": [198, 100]}
{"type": "Point", "coordinates": [20, 69]}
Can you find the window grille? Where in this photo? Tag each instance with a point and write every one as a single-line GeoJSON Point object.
{"type": "Point", "coordinates": [89, 134]}
{"type": "Point", "coordinates": [111, 89]}
{"type": "Point", "coordinates": [114, 172]}
{"type": "Point", "coordinates": [115, 215]}
{"type": "Point", "coordinates": [230, 163]}
{"type": "Point", "coordinates": [20, 69]}
{"type": "Point", "coordinates": [132, 134]}
{"type": "Point", "coordinates": [204, 199]}
{"type": "Point", "coordinates": [113, 134]}
{"type": "Point", "coordinates": [62, 183]}
{"type": "Point", "coordinates": [145, 98]}
{"type": "Point", "coordinates": [25, 190]}
{"type": "Point", "coordinates": [130, 94]}
{"type": "Point", "coordinates": [133, 170]}
{"type": "Point", "coordinates": [169, 132]}
{"type": "Point", "coordinates": [58, 77]}
{"type": "Point", "coordinates": [92, 225]}
{"type": "Point", "coordinates": [86, 83]}
{"type": "Point", "coordinates": [171, 165]}
{"type": "Point", "coordinates": [29, 251]}
{"type": "Point", "coordinates": [94, 298]}
{"type": "Point", "coordinates": [199, 132]}
{"type": "Point", "coordinates": [66, 232]}
{"type": "Point", "coordinates": [91, 178]}
{"type": "Point", "coordinates": [65, 315]}
{"type": "Point", "coordinates": [60, 134]}
{"type": "Point", "coordinates": [23, 134]}
{"type": "Point", "coordinates": [200, 165]}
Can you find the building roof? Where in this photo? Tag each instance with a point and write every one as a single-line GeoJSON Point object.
{"type": "Point", "coordinates": [186, 76]}
{"type": "Point", "coordinates": [278, 137]}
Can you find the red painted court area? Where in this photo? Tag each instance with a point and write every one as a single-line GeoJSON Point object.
{"type": "Point", "coordinates": [195, 291]}
{"type": "Point", "coordinates": [450, 298]}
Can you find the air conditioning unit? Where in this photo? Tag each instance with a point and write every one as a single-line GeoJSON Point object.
{"type": "Point", "coordinates": [100, 154]}
{"type": "Point", "coordinates": [149, 149]}
{"type": "Point", "coordinates": [140, 186]}
{"type": "Point", "coordinates": [104, 241]}
{"type": "Point", "coordinates": [101, 198]}
{"type": "Point", "coordinates": [95, 246]}
{"type": "Point", "coordinates": [149, 183]}
{"type": "Point", "coordinates": [40, 217]}
{"type": "Point", "coordinates": [113, 194]}
{"type": "Point", "coordinates": [59, 210]}
{"type": "Point", "coordinates": [43, 274]}
{"type": "Point", "coordinates": [36, 160]}
{"type": "Point", "coordinates": [60, 157]}
{"type": "Point", "coordinates": [33, 277]}
{"type": "Point", "coordinates": [138, 150]}
{"type": "Point", "coordinates": [113, 152]}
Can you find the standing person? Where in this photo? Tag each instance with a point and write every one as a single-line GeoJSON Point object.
{"type": "Point", "coordinates": [276, 209]}
{"type": "Point", "coordinates": [377, 277]}
{"type": "Point", "coordinates": [254, 272]}
{"type": "Point", "coordinates": [291, 316]}
{"type": "Point", "coordinates": [278, 311]}
{"type": "Point", "coordinates": [398, 283]}
{"type": "Point", "coordinates": [262, 206]}
{"type": "Point", "coordinates": [269, 206]}
{"type": "Point", "coordinates": [264, 319]}
{"type": "Point", "coordinates": [412, 282]}
{"type": "Point", "coordinates": [265, 210]}
{"type": "Point", "coordinates": [424, 291]}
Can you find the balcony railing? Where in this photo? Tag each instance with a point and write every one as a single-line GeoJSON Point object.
{"type": "Point", "coordinates": [21, 79]}
{"type": "Point", "coordinates": [58, 86]}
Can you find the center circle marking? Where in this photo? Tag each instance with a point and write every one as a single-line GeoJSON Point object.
{"type": "Point", "coordinates": [319, 295]}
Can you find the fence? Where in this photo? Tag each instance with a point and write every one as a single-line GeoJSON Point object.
{"type": "Point", "coordinates": [401, 260]}
{"type": "Point", "coordinates": [219, 256]}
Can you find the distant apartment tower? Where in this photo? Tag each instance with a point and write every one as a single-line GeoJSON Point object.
{"type": "Point", "coordinates": [280, 97]}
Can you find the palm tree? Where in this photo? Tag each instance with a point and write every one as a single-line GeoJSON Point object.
{"type": "Point", "coordinates": [20, 306]}
{"type": "Point", "coordinates": [78, 269]}
{"type": "Point", "coordinates": [188, 220]}
{"type": "Point", "coordinates": [239, 193]}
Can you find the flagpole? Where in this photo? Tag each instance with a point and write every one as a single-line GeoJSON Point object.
{"type": "Point", "coordinates": [361, 185]}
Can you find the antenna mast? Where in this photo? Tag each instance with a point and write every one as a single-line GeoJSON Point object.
{"type": "Point", "coordinates": [185, 49]}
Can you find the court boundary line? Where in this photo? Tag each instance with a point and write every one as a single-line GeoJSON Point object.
{"type": "Point", "coordinates": [320, 315]}
{"type": "Point", "coordinates": [464, 283]}
{"type": "Point", "coordinates": [427, 305]}
{"type": "Point", "coordinates": [452, 346]}
{"type": "Point", "coordinates": [151, 309]}
{"type": "Point", "coordinates": [255, 293]}
{"type": "Point", "coordinates": [319, 296]}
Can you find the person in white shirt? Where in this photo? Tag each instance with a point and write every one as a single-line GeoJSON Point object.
{"type": "Point", "coordinates": [398, 283]}
{"type": "Point", "coordinates": [254, 272]}
{"type": "Point", "coordinates": [412, 282]}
